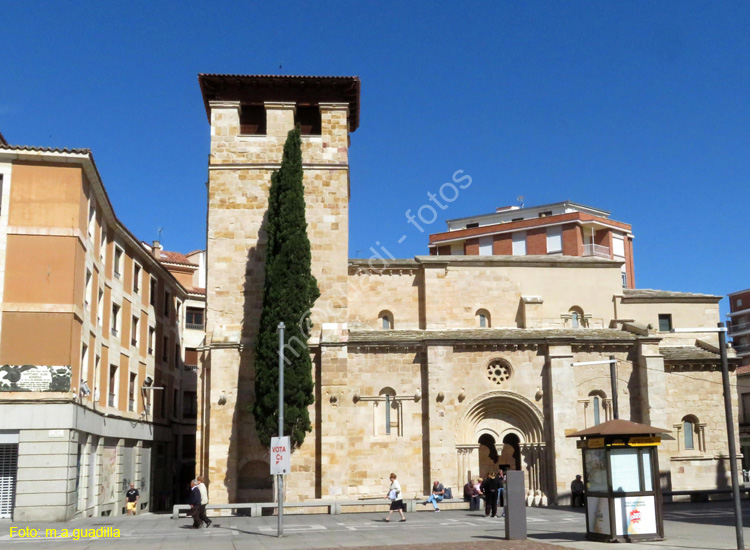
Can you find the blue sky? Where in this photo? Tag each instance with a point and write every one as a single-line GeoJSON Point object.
{"type": "Point", "coordinates": [638, 108]}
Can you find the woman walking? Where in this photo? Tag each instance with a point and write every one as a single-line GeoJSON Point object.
{"type": "Point", "coordinates": [394, 495]}
{"type": "Point", "coordinates": [490, 488]}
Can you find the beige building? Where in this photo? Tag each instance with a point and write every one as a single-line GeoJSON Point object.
{"type": "Point", "coordinates": [472, 354]}
{"type": "Point", "coordinates": [91, 347]}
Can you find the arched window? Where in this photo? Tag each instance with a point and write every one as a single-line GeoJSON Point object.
{"type": "Point", "coordinates": [386, 319]}
{"type": "Point", "coordinates": [595, 408]}
{"type": "Point", "coordinates": [388, 420]}
{"type": "Point", "coordinates": [483, 318]}
{"type": "Point", "coordinates": [690, 433]}
{"type": "Point", "coordinates": [576, 317]}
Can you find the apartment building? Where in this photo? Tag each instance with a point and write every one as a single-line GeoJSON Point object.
{"type": "Point", "coordinates": [563, 228]}
{"type": "Point", "coordinates": [91, 346]}
{"type": "Point", "coordinates": [739, 331]}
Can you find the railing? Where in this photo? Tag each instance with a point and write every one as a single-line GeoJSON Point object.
{"type": "Point", "coordinates": [112, 399]}
{"type": "Point", "coordinates": [742, 349]}
{"type": "Point", "coordinates": [131, 404]}
{"type": "Point", "coordinates": [738, 327]}
{"type": "Point", "coordinates": [133, 342]}
{"type": "Point", "coordinates": [195, 326]}
{"type": "Point", "coordinates": [114, 332]}
{"type": "Point", "coordinates": [117, 274]}
{"type": "Point", "coordinates": [190, 368]}
{"type": "Point", "coordinates": [596, 250]}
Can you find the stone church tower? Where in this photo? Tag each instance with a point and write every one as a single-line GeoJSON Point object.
{"type": "Point", "coordinates": [250, 117]}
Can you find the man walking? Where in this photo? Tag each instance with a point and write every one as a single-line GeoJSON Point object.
{"type": "Point", "coordinates": [204, 501]}
{"type": "Point", "coordinates": [194, 500]}
{"type": "Point", "coordinates": [131, 497]}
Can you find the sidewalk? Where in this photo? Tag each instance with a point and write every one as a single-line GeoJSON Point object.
{"type": "Point", "coordinates": [708, 526]}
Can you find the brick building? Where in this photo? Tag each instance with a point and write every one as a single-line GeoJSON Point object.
{"type": "Point", "coordinates": [471, 351]}
{"type": "Point", "coordinates": [91, 346]}
{"type": "Point", "coordinates": [562, 228]}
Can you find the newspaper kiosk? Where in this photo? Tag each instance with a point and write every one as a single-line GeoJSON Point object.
{"type": "Point", "coordinates": [621, 474]}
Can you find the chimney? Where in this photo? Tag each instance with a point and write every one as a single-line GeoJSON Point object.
{"type": "Point", "coordinates": [156, 249]}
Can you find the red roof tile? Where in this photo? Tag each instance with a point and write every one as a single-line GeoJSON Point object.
{"type": "Point", "coordinates": [175, 258]}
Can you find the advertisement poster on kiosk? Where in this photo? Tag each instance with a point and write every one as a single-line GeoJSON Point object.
{"type": "Point", "coordinates": [598, 510]}
{"type": "Point", "coordinates": [635, 515]}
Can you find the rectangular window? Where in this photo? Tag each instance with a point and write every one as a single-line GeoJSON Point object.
{"type": "Point", "coordinates": [175, 402]}
{"type": "Point", "coordinates": [103, 245]}
{"type": "Point", "coordinates": [100, 308]}
{"type": "Point", "coordinates": [194, 318]}
{"type": "Point", "coordinates": [92, 219]}
{"type": "Point", "coordinates": [131, 392]}
{"type": "Point", "coordinates": [87, 292]}
{"type": "Point", "coordinates": [152, 292]}
{"type": "Point", "coordinates": [112, 401]}
{"type": "Point", "coordinates": [457, 249]}
{"type": "Point", "coordinates": [472, 225]}
{"type": "Point", "coordinates": [739, 302]}
{"type": "Point", "coordinates": [115, 319]}
{"type": "Point", "coordinates": [618, 246]}
{"type": "Point", "coordinates": [118, 262]}
{"type": "Point", "coordinates": [189, 404]}
{"type": "Point", "coordinates": [136, 278]}
{"type": "Point", "coordinates": [151, 336]}
{"type": "Point", "coordinates": [164, 348]}
{"type": "Point", "coordinates": [545, 214]}
{"type": "Point", "coordinates": [519, 243]}
{"type": "Point", "coordinates": [688, 429]}
{"type": "Point", "coordinates": [309, 119]}
{"type": "Point", "coordinates": [134, 331]}
{"type": "Point", "coordinates": [253, 120]}
{"type": "Point", "coordinates": [485, 246]}
{"type": "Point", "coordinates": [84, 360]}
{"type": "Point", "coordinates": [166, 304]}
{"type": "Point", "coordinates": [177, 355]}
{"type": "Point", "coordinates": [554, 239]}
{"type": "Point", "coordinates": [624, 279]}
{"type": "Point", "coordinates": [665, 322]}
{"type": "Point", "coordinates": [97, 361]}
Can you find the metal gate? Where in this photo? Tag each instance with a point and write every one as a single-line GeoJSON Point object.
{"type": "Point", "coordinates": [8, 469]}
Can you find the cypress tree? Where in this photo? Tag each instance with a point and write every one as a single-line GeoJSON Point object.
{"type": "Point", "coordinates": [289, 292]}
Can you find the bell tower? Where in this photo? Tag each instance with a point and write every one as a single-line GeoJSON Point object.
{"type": "Point", "coordinates": [250, 116]}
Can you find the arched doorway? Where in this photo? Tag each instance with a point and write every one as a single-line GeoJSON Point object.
{"type": "Point", "coordinates": [502, 429]}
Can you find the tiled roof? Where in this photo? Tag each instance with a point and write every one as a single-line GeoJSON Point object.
{"type": "Point", "coordinates": [175, 258]}
{"type": "Point", "coordinates": [196, 290]}
{"type": "Point", "coordinates": [663, 295]}
{"type": "Point", "coordinates": [486, 334]}
{"type": "Point", "coordinates": [3, 141]}
{"type": "Point", "coordinates": [744, 369]}
{"type": "Point", "coordinates": [43, 149]}
{"type": "Point", "coordinates": [258, 87]}
{"type": "Point", "coordinates": [687, 353]}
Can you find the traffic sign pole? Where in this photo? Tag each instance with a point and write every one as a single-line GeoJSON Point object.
{"type": "Point", "coordinates": [280, 529]}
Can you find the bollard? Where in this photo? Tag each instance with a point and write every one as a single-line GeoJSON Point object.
{"type": "Point", "coordinates": [515, 506]}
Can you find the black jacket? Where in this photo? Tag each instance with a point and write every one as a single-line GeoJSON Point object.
{"type": "Point", "coordinates": [491, 485]}
{"type": "Point", "coordinates": [194, 499]}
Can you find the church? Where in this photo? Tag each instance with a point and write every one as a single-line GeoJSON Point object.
{"type": "Point", "coordinates": [442, 366]}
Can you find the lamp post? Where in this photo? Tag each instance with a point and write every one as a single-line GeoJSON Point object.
{"type": "Point", "coordinates": [721, 329]}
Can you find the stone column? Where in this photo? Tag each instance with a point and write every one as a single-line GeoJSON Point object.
{"type": "Point", "coordinates": [466, 459]}
{"type": "Point", "coordinates": [439, 408]}
{"type": "Point", "coordinates": [564, 460]}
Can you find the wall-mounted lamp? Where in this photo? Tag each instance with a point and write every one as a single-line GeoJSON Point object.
{"type": "Point", "coordinates": [148, 381]}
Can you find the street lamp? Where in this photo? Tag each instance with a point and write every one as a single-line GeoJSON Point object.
{"type": "Point", "coordinates": [721, 329]}
{"type": "Point", "coordinates": [613, 379]}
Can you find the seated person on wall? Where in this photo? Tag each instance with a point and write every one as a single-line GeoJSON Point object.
{"type": "Point", "coordinates": [577, 490]}
{"type": "Point", "coordinates": [438, 492]}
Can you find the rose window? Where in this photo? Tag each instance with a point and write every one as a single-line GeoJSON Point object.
{"type": "Point", "coordinates": [498, 372]}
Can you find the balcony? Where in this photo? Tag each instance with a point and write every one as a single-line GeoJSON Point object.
{"type": "Point", "coordinates": [114, 332]}
{"type": "Point", "coordinates": [743, 349]}
{"type": "Point", "coordinates": [737, 328]}
{"type": "Point", "coordinates": [117, 274]}
{"type": "Point", "coordinates": [195, 326]}
{"type": "Point", "coordinates": [596, 250]}
{"type": "Point", "coordinates": [131, 404]}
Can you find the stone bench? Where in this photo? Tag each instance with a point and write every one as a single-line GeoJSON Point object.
{"type": "Point", "coordinates": [335, 507]}
{"type": "Point", "coordinates": [701, 495]}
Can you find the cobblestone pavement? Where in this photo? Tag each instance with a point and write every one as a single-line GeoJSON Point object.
{"type": "Point", "coordinates": [691, 526]}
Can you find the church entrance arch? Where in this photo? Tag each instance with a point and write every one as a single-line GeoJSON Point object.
{"type": "Point", "coordinates": [502, 429]}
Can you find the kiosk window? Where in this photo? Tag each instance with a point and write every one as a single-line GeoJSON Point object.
{"type": "Point", "coordinates": [625, 470]}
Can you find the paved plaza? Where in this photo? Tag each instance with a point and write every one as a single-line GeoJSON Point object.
{"type": "Point", "coordinates": [701, 526]}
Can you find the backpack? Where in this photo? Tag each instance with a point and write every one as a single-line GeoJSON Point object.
{"type": "Point", "coordinates": [448, 493]}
